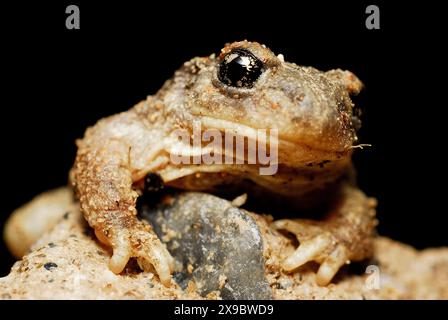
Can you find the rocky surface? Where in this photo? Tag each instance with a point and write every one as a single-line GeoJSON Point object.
{"type": "Point", "coordinates": [67, 262]}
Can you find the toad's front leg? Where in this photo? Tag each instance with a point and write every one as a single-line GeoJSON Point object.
{"type": "Point", "coordinates": [345, 235]}
{"type": "Point", "coordinates": [102, 177]}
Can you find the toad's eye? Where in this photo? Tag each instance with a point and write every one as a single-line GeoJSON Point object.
{"type": "Point", "coordinates": [240, 69]}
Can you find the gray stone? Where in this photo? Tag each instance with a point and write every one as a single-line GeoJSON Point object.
{"type": "Point", "coordinates": [217, 245]}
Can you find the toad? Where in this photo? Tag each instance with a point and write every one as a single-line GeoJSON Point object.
{"type": "Point", "coordinates": [243, 89]}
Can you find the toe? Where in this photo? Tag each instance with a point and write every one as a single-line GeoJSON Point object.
{"type": "Point", "coordinates": [162, 262]}
{"type": "Point", "coordinates": [307, 251]}
{"type": "Point", "coordinates": [121, 255]}
{"type": "Point", "coordinates": [288, 225]}
{"type": "Point", "coordinates": [154, 255]}
{"type": "Point", "coordinates": [303, 229]}
{"type": "Point", "coordinates": [331, 265]}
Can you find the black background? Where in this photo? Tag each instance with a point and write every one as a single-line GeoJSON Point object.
{"type": "Point", "coordinates": [56, 82]}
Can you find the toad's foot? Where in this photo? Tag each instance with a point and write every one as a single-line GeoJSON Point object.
{"type": "Point", "coordinates": [316, 244]}
{"type": "Point", "coordinates": [344, 236]}
{"type": "Point", "coordinates": [142, 243]}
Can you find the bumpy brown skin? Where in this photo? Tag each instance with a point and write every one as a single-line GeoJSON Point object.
{"type": "Point", "coordinates": [103, 180]}
{"type": "Point", "coordinates": [313, 113]}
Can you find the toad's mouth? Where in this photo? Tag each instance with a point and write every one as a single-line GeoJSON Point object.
{"type": "Point", "coordinates": [283, 159]}
{"type": "Point", "coordinates": [291, 153]}
{"type": "Point", "coordinates": [276, 159]}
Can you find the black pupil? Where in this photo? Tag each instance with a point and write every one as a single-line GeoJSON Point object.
{"type": "Point", "coordinates": [240, 69]}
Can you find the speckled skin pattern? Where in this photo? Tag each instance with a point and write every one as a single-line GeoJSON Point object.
{"type": "Point", "coordinates": [313, 113]}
